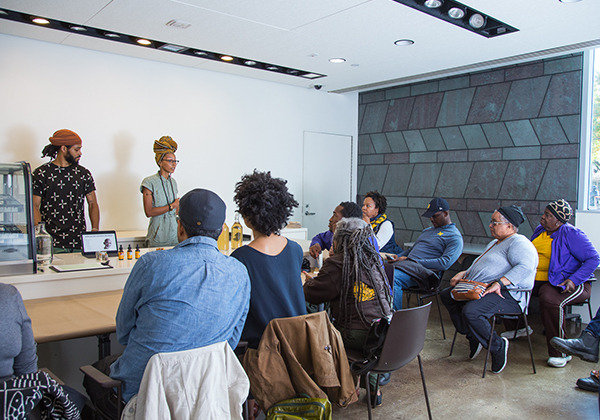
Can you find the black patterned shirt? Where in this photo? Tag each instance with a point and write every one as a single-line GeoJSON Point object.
{"type": "Point", "coordinates": [63, 192]}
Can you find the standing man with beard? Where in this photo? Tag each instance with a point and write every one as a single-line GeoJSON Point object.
{"type": "Point", "coordinates": [59, 188]}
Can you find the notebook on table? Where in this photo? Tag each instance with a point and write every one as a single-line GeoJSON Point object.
{"type": "Point", "coordinates": [103, 240]}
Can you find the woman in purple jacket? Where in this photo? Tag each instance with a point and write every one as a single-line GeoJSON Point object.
{"type": "Point", "coordinates": [567, 261]}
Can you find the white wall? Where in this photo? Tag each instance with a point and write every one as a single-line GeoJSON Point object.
{"type": "Point", "coordinates": [225, 125]}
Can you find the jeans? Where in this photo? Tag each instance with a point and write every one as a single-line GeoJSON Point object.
{"type": "Point", "coordinates": [594, 325]}
{"type": "Point", "coordinates": [401, 280]}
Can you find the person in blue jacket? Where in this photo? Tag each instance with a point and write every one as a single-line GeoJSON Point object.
{"type": "Point", "coordinates": [324, 240]}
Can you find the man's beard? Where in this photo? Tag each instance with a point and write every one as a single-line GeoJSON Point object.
{"type": "Point", "coordinates": [71, 160]}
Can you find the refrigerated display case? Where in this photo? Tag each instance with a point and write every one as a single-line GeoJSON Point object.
{"type": "Point", "coordinates": [17, 236]}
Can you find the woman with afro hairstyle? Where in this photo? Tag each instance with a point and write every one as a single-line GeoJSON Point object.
{"type": "Point", "coordinates": [274, 263]}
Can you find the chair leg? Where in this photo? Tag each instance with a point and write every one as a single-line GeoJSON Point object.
{"type": "Point", "coordinates": [589, 304]}
{"type": "Point", "coordinates": [529, 341]}
{"type": "Point", "coordinates": [368, 386]}
{"type": "Point", "coordinates": [408, 296]}
{"type": "Point", "coordinates": [424, 386]}
{"type": "Point", "coordinates": [487, 353]}
{"type": "Point", "coordinates": [437, 300]}
{"type": "Point", "coordinates": [453, 341]}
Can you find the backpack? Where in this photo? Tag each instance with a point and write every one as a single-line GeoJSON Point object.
{"type": "Point", "coordinates": [301, 407]}
{"type": "Point", "coordinates": [372, 347]}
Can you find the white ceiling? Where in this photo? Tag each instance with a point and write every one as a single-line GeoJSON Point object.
{"type": "Point", "coordinates": [305, 34]}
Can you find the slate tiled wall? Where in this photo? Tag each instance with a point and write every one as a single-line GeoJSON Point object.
{"type": "Point", "coordinates": [480, 140]}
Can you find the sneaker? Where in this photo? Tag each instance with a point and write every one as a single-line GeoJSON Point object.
{"type": "Point", "coordinates": [521, 332]}
{"type": "Point", "coordinates": [558, 362]}
{"type": "Point", "coordinates": [591, 383]}
{"type": "Point", "coordinates": [384, 379]}
{"type": "Point", "coordinates": [475, 347]}
{"type": "Point", "coordinates": [499, 357]}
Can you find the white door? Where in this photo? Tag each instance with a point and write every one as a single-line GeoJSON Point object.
{"type": "Point", "coordinates": [327, 178]}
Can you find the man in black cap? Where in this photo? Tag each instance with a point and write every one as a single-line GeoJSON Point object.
{"type": "Point", "coordinates": [179, 299]}
{"type": "Point", "coordinates": [436, 249]}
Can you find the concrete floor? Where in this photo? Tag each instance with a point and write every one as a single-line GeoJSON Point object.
{"type": "Point", "coordinates": [457, 391]}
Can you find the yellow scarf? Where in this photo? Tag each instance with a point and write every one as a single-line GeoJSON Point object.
{"type": "Point", "coordinates": [376, 224]}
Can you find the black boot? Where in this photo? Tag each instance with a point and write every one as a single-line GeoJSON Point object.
{"type": "Point", "coordinates": [585, 347]}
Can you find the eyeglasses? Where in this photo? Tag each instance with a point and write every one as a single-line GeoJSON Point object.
{"type": "Point", "coordinates": [492, 222]}
{"type": "Point", "coordinates": [171, 160]}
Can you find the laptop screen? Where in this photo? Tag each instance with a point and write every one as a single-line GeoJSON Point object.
{"type": "Point", "coordinates": [104, 240]}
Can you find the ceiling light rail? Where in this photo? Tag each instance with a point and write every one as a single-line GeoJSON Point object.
{"type": "Point", "coordinates": [461, 15]}
{"type": "Point", "coordinates": [153, 44]}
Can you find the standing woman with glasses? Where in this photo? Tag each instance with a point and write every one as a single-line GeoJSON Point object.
{"type": "Point", "coordinates": [159, 192]}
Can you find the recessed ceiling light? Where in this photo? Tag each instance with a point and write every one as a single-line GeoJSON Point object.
{"type": "Point", "coordinates": [250, 63]}
{"type": "Point", "coordinates": [477, 21]}
{"type": "Point", "coordinates": [78, 28]}
{"type": "Point", "coordinates": [569, 1]}
{"type": "Point", "coordinates": [111, 35]}
{"type": "Point", "coordinates": [143, 41]}
{"type": "Point", "coordinates": [273, 68]}
{"type": "Point", "coordinates": [456, 13]}
{"type": "Point", "coordinates": [201, 53]}
{"type": "Point", "coordinates": [311, 75]}
{"type": "Point", "coordinates": [226, 58]}
{"type": "Point", "coordinates": [337, 60]}
{"type": "Point", "coordinates": [404, 42]}
{"type": "Point", "coordinates": [292, 71]}
{"type": "Point", "coordinates": [40, 21]}
{"type": "Point", "coordinates": [172, 48]}
{"type": "Point", "coordinates": [2, 12]}
{"type": "Point", "coordinates": [433, 4]}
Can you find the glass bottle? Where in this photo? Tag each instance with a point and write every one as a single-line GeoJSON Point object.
{"type": "Point", "coordinates": [129, 252]}
{"type": "Point", "coordinates": [237, 233]}
{"type": "Point", "coordinates": [43, 242]}
{"type": "Point", "coordinates": [121, 253]}
{"type": "Point", "coordinates": [137, 252]}
{"type": "Point", "coordinates": [223, 241]}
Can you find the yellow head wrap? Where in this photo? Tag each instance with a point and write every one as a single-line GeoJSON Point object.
{"type": "Point", "coordinates": [163, 146]}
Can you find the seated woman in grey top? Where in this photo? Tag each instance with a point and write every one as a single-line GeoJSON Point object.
{"type": "Point", "coordinates": [509, 262]}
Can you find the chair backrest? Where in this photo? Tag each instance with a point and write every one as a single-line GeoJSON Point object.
{"type": "Point", "coordinates": [405, 338]}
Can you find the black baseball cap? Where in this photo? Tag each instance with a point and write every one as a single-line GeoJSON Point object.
{"type": "Point", "coordinates": [202, 208]}
{"type": "Point", "coordinates": [435, 205]}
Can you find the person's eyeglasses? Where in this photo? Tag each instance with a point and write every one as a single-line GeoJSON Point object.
{"type": "Point", "coordinates": [492, 222]}
{"type": "Point", "coordinates": [171, 160]}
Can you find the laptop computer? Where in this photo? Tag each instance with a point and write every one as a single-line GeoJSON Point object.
{"type": "Point", "coordinates": [103, 240]}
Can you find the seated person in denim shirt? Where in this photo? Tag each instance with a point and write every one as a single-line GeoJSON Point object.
{"type": "Point", "coordinates": [179, 299]}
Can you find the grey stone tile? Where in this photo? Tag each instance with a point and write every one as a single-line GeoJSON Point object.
{"type": "Point", "coordinates": [560, 151]}
{"type": "Point", "coordinates": [398, 114]}
{"type": "Point", "coordinates": [380, 143]}
{"type": "Point", "coordinates": [424, 88]}
{"type": "Point", "coordinates": [372, 179]}
{"type": "Point", "coordinates": [418, 157]}
{"type": "Point", "coordinates": [524, 71]}
{"type": "Point", "coordinates": [486, 180]}
{"type": "Point", "coordinates": [392, 158]}
{"type": "Point", "coordinates": [412, 219]}
{"type": "Point", "coordinates": [451, 83]}
{"type": "Point", "coordinates": [456, 204]}
{"type": "Point", "coordinates": [364, 145]}
{"type": "Point", "coordinates": [525, 98]}
{"type": "Point", "coordinates": [560, 179]}
{"type": "Point", "coordinates": [393, 214]}
{"type": "Point", "coordinates": [433, 139]}
{"type": "Point", "coordinates": [361, 114]}
{"type": "Point", "coordinates": [474, 136]}
{"type": "Point", "coordinates": [452, 156]}
{"type": "Point", "coordinates": [393, 201]}
{"type": "Point", "coordinates": [419, 203]}
{"type": "Point", "coordinates": [455, 107]}
{"type": "Point", "coordinates": [549, 130]}
{"type": "Point", "coordinates": [571, 127]}
{"type": "Point", "coordinates": [372, 96]}
{"type": "Point", "coordinates": [483, 206]}
{"type": "Point", "coordinates": [424, 179]}
{"type": "Point", "coordinates": [485, 154]}
{"type": "Point", "coordinates": [414, 141]}
{"type": "Point", "coordinates": [456, 221]}
{"type": "Point", "coordinates": [522, 179]}
{"type": "Point", "coordinates": [497, 134]}
{"type": "Point", "coordinates": [398, 92]}
{"type": "Point", "coordinates": [425, 111]}
{"type": "Point", "coordinates": [359, 173]}
{"type": "Point", "coordinates": [397, 180]}
{"type": "Point", "coordinates": [370, 159]}
{"type": "Point", "coordinates": [403, 236]}
{"type": "Point", "coordinates": [453, 179]}
{"type": "Point", "coordinates": [396, 142]}
{"type": "Point", "coordinates": [471, 223]}
{"type": "Point", "coordinates": [374, 117]}
{"type": "Point", "coordinates": [488, 103]}
{"type": "Point", "coordinates": [520, 153]}
{"type": "Point", "coordinates": [563, 96]}
{"type": "Point", "coordinates": [565, 64]}
{"type": "Point", "coordinates": [522, 133]}
{"type": "Point", "coordinates": [453, 138]}
{"type": "Point", "coordinates": [525, 229]}
{"type": "Point", "coordinates": [487, 77]}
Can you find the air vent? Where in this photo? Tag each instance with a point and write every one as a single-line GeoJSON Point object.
{"type": "Point", "coordinates": [176, 23]}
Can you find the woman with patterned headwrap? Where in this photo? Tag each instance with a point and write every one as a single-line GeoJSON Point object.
{"type": "Point", "coordinates": [567, 261]}
{"type": "Point", "coordinates": [159, 192]}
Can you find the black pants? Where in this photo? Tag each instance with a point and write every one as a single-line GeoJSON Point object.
{"type": "Point", "coordinates": [471, 317]}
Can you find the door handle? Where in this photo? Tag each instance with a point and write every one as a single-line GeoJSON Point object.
{"type": "Point", "coordinates": [308, 213]}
